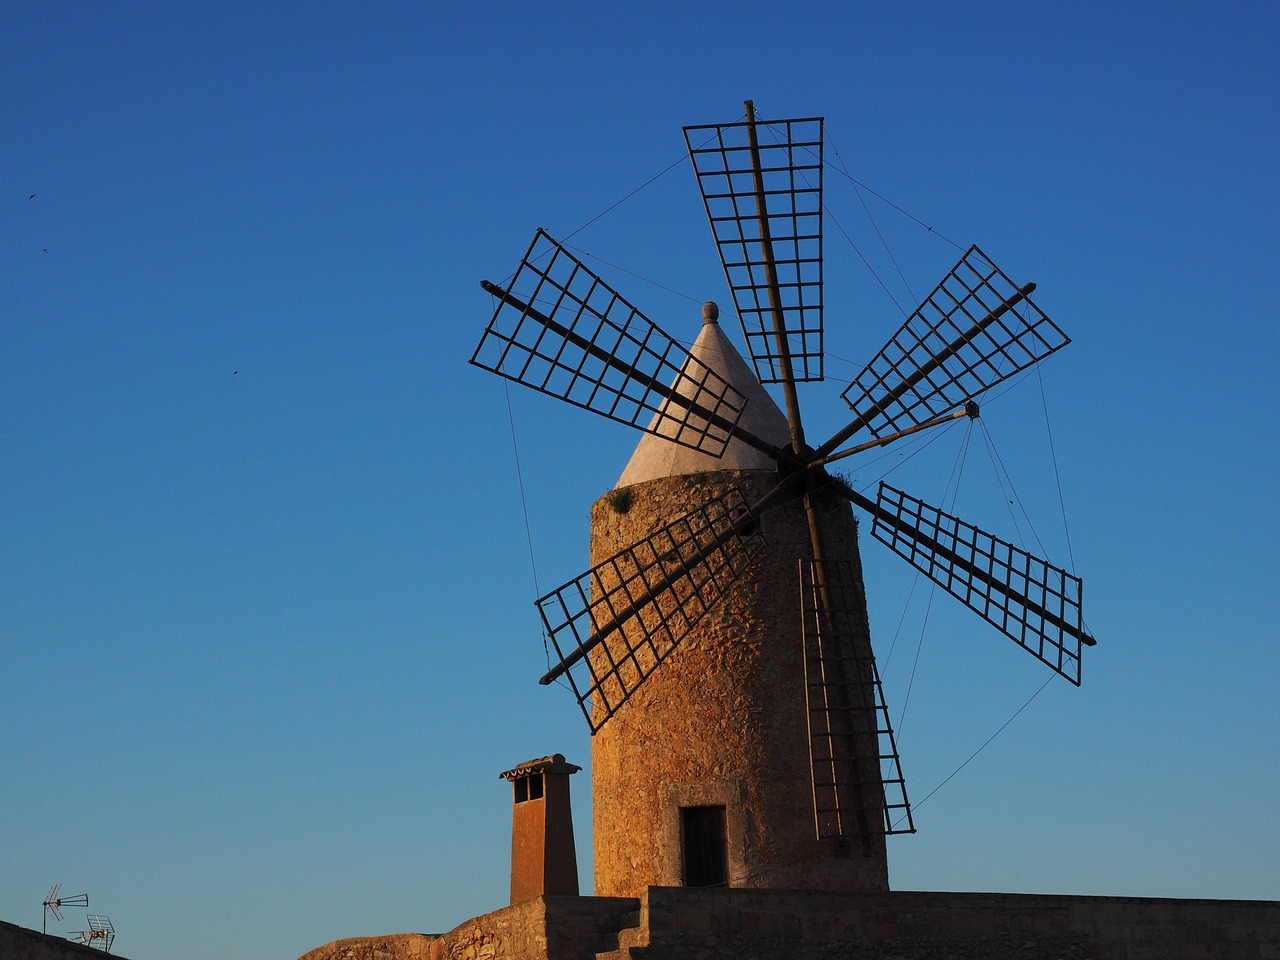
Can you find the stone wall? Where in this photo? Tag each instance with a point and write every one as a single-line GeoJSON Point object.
{"type": "Point", "coordinates": [544, 927]}
{"type": "Point", "coordinates": [722, 720]}
{"type": "Point", "coordinates": [688, 924]}
{"type": "Point", "coordinates": [676, 924]}
{"type": "Point", "coordinates": [395, 946]}
{"type": "Point", "coordinates": [19, 943]}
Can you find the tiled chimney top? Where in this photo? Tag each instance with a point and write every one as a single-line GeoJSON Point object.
{"type": "Point", "coordinates": [555, 763]}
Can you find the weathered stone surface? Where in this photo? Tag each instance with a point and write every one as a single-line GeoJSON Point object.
{"type": "Point", "coordinates": [396, 946]}
{"type": "Point", "coordinates": [574, 928]}
{"type": "Point", "coordinates": [689, 924]}
{"type": "Point", "coordinates": [722, 721]}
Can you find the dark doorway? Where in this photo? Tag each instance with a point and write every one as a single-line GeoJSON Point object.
{"type": "Point", "coordinates": [706, 853]}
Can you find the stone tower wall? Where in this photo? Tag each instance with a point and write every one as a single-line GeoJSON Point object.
{"type": "Point", "coordinates": [722, 721]}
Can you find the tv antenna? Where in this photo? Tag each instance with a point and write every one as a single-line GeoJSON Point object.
{"type": "Point", "coordinates": [100, 935]}
{"type": "Point", "coordinates": [54, 904]}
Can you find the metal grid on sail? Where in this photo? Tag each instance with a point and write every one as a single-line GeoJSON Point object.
{"type": "Point", "coordinates": [563, 331]}
{"type": "Point", "coordinates": [788, 201]}
{"type": "Point", "coordinates": [1032, 602]}
{"type": "Point", "coordinates": [615, 623]}
{"type": "Point", "coordinates": [858, 789]}
{"type": "Point", "coordinates": [973, 331]}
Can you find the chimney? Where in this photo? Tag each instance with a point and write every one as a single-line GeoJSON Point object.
{"type": "Point", "coordinates": [543, 860]}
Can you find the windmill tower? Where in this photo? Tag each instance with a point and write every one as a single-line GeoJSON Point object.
{"type": "Point", "coordinates": [704, 779]}
{"type": "Point", "coordinates": [719, 645]}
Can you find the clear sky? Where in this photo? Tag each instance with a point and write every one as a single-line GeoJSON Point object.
{"type": "Point", "coordinates": [266, 623]}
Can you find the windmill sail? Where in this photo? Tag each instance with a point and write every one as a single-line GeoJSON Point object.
{"type": "Point", "coordinates": [563, 331]}
{"type": "Point", "coordinates": [615, 623]}
{"type": "Point", "coordinates": [1034, 603]}
{"type": "Point", "coordinates": [764, 202]}
{"type": "Point", "coordinates": [858, 788]}
{"type": "Point", "coordinates": [973, 331]}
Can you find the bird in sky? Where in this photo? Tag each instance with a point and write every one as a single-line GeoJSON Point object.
{"type": "Point", "coordinates": [32, 197]}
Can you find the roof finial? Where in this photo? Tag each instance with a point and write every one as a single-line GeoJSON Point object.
{"type": "Point", "coordinates": [710, 312]}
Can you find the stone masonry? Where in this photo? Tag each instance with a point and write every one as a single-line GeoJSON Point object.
{"type": "Point", "coordinates": [722, 721]}
{"type": "Point", "coordinates": [715, 924]}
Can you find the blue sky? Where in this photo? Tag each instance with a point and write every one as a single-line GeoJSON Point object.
{"type": "Point", "coordinates": [266, 622]}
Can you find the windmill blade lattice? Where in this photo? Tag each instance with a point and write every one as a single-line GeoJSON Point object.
{"type": "Point", "coordinates": [562, 330]}
{"type": "Point", "coordinates": [1034, 603]}
{"type": "Point", "coordinates": [764, 202]}
{"type": "Point", "coordinates": [973, 331]}
{"type": "Point", "coordinates": [851, 743]}
{"type": "Point", "coordinates": [614, 624]}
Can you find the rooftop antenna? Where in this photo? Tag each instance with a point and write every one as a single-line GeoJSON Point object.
{"type": "Point", "coordinates": [101, 934]}
{"type": "Point", "coordinates": [54, 904]}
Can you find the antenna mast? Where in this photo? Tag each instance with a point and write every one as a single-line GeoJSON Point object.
{"type": "Point", "coordinates": [53, 904]}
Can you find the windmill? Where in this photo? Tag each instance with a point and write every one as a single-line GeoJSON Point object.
{"type": "Point", "coordinates": [670, 618]}
{"type": "Point", "coordinates": [53, 905]}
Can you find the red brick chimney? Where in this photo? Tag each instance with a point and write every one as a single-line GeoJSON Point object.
{"type": "Point", "coordinates": [543, 859]}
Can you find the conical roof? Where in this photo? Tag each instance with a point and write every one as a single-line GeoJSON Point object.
{"type": "Point", "coordinates": [656, 457]}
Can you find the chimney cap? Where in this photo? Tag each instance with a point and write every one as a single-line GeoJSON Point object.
{"type": "Point", "coordinates": [555, 763]}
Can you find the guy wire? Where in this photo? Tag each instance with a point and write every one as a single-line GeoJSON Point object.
{"type": "Point", "coordinates": [524, 505]}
